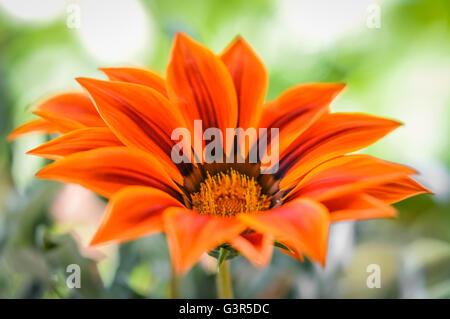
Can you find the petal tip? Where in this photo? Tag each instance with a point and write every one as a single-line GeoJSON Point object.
{"type": "Point", "coordinates": [398, 123]}
{"type": "Point", "coordinates": [181, 37]}
{"type": "Point", "coordinates": [88, 82]}
{"type": "Point", "coordinates": [107, 70]}
{"type": "Point", "coordinates": [42, 152]}
{"type": "Point", "coordinates": [46, 172]}
{"type": "Point", "coordinates": [11, 136]}
{"type": "Point", "coordinates": [183, 42]}
{"type": "Point", "coordinates": [426, 190]}
{"type": "Point", "coordinates": [94, 242]}
{"type": "Point", "coordinates": [84, 82]}
{"type": "Point", "coordinates": [97, 241]}
{"type": "Point", "coordinates": [34, 151]}
{"type": "Point", "coordinates": [323, 262]}
{"type": "Point", "coordinates": [42, 173]}
{"type": "Point", "coordinates": [340, 86]}
{"type": "Point", "coordinates": [239, 39]}
{"type": "Point", "coordinates": [81, 79]}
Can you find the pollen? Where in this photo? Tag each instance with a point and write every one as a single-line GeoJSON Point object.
{"type": "Point", "coordinates": [229, 193]}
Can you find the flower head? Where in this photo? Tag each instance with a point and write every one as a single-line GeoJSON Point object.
{"type": "Point", "coordinates": [117, 141]}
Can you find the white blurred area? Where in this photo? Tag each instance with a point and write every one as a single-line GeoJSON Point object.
{"type": "Point", "coordinates": [112, 32]}
{"type": "Point", "coordinates": [116, 31]}
{"type": "Point", "coordinates": [33, 11]}
{"type": "Point", "coordinates": [314, 25]}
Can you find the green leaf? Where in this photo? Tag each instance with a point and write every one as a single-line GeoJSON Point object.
{"type": "Point", "coordinates": [280, 245]}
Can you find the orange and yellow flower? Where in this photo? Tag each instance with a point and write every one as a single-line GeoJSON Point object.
{"type": "Point", "coordinates": [116, 141]}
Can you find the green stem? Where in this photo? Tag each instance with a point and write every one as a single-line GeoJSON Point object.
{"type": "Point", "coordinates": [174, 285]}
{"type": "Point", "coordinates": [224, 287]}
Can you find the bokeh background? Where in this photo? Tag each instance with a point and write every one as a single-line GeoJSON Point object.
{"type": "Point", "coordinates": [397, 66]}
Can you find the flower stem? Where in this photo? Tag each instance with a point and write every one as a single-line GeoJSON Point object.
{"type": "Point", "coordinates": [224, 287]}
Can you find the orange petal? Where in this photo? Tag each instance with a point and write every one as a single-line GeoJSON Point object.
{"type": "Point", "coordinates": [200, 85]}
{"type": "Point", "coordinates": [139, 116]}
{"type": "Point", "coordinates": [107, 170]}
{"type": "Point", "coordinates": [133, 212]}
{"type": "Point", "coordinates": [397, 190]}
{"type": "Point", "coordinates": [38, 125]}
{"type": "Point", "coordinates": [358, 206]}
{"type": "Point", "coordinates": [302, 224]}
{"type": "Point", "coordinates": [346, 174]}
{"type": "Point", "coordinates": [297, 108]}
{"type": "Point", "coordinates": [250, 79]}
{"type": "Point", "coordinates": [332, 135]}
{"type": "Point", "coordinates": [81, 140]}
{"type": "Point", "coordinates": [137, 76]}
{"type": "Point", "coordinates": [76, 107]}
{"type": "Point", "coordinates": [190, 235]}
{"type": "Point", "coordinates": [62, 123]}
{"type": "Point", "coordinates": [256, 247]}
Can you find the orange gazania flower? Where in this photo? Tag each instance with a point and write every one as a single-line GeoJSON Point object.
{"type": "Point", "coordinates": [116, 141]}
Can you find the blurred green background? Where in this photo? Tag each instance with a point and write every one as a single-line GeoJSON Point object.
{"type": "Point", "coordinates": [399, 68]}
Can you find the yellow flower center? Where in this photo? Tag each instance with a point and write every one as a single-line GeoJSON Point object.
{"type": "Point", "coordinates": [230, 193]}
